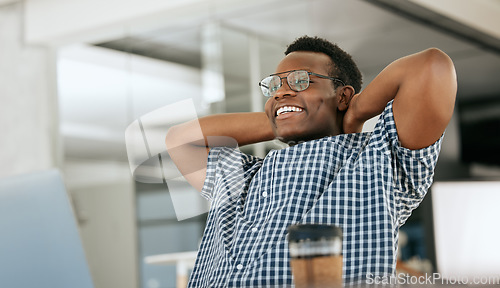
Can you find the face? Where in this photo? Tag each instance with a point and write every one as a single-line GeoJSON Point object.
{"type": "Point", "coordinates": [313, 112]}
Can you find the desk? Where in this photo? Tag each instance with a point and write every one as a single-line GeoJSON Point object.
{"type": "Point", "coordinates": [183, 261]}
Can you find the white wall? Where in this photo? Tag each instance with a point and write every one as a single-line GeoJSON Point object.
{"type": "Point", "coordinates": [103, 196]}
{"type": "Point", "coordinates": [29, 129]}
{"type": "Point", "coordinates": [5, 2]}
{"type": "Point", "coordinates": [101, 92]}
{"type": "Point", "coordinates": [28, 109]}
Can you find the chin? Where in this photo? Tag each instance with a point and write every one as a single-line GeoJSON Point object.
{"type": "Point", "coordinates": [287, 136]}
{"type": "Point", "coordinates": [291, 142]}
{"type": "Point", "coordinates": [294, 140]}
{"type": "Point", "coordinates": [297, 139]}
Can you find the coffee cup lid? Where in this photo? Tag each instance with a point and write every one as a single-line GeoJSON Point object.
{"type": "Point", "coordinates": [313, 232]}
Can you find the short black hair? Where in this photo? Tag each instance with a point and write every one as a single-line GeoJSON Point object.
{"type": "Point", "coordinates": [343, 66]}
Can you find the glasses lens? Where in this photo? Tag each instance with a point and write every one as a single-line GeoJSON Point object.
{"type": "Point", "coordinates": [298, 80]}
{"type": "Point", "coordinates": [270, 85]}
{"type": "Point", "coordinates": [264, 86]}
{"type": "Point", "coordinates": [274, 84]}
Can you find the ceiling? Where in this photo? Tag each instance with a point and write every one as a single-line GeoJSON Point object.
{"type": "Point", "coordinates": [373, 32]}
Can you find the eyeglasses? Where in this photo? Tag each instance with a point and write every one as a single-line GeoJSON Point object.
{"type": "Point", "coordinates": [298, 80]}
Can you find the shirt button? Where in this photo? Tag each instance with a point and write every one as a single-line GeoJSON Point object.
{"type": "Point", "coordinates": [254, 229]}
{"type": "Point", "coordinates": [239, 266]}
{"type": "Point", "coordinates": [264, 194]}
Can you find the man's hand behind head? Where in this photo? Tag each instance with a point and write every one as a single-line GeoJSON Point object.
{"type": "Point", "coordinates": [351, 123]}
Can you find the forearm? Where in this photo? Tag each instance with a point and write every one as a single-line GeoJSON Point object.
{"type": "Point", "coordinates": [188, 143]}
{"type": "Point", "coordinates": [410, 70]}
{"type": "Point", "coordinates": [423, 86]}
{"type": "Point", "coordinates": [225, 130]}
{"type": "Point", "coordinates": [373, 99]}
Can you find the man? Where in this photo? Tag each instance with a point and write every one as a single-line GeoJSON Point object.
{"type": "Point", "coordinates": [365, 183]}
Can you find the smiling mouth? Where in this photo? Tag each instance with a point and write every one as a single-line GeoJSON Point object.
{"type": "Point", "coordinates": [288, 109]}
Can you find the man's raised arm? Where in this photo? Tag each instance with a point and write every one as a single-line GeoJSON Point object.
{"type": "Point", "coordinates": [188, 146]}
{"type": "Point", "coordinates": [424, 88]}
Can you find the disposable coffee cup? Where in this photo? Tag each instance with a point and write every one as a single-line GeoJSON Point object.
{"type": "Point", "coordinates": [315, 255]}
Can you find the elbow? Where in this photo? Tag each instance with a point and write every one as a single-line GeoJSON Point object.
{"type": "Point", "coordinates": [439, 72]}
{"type": "Point", "coordinates": [440, 67]}
{"type": "Point", "coordinates": [436, 54]}
{"type": "Point", "coordinates": [441, 79]}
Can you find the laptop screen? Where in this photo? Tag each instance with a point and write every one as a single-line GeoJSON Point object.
{"type": "Point", "coordinates": [466, 216]}
{"type": "Point", "coordinates": [40, 244]}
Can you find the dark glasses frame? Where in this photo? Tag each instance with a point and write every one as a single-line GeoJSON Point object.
{"type": "Point", "coordinates": [264, 88]}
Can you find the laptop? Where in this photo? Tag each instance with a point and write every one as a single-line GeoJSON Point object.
{"type": "Point", "coordinates": [40, 245]}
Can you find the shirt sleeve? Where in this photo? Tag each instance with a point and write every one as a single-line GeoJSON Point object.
{"type": "Point", "coordinates": [213, 156]}
{"type": "Point", "coordinates": [228, 169]}
{"type": "Point", "coordinates": [413, 170]}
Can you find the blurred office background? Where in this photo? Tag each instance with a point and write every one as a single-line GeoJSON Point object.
{"type": "Point", "coordinates": [75, 74]}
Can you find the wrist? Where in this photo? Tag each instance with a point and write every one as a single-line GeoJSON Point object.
{"type": "Point", "coordinates": [352, 124]}
{"type": "Point", "coordinates": [353, 120]}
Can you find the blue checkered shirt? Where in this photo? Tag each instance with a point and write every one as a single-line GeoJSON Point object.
{"type": "Point", "coordinates": [365, 183]}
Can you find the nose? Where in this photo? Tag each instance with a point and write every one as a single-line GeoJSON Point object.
{"type": "Point", "coordinates": [284, 90]}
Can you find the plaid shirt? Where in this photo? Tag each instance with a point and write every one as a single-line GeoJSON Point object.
{"type": "Point", "coordinates": [365, 183]}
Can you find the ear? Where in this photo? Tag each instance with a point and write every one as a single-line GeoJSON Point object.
{"type": "Point", "coordinates": [344, 96]}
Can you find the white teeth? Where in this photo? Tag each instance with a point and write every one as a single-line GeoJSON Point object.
{"type": "Point", "coordinates": [287, 109]}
